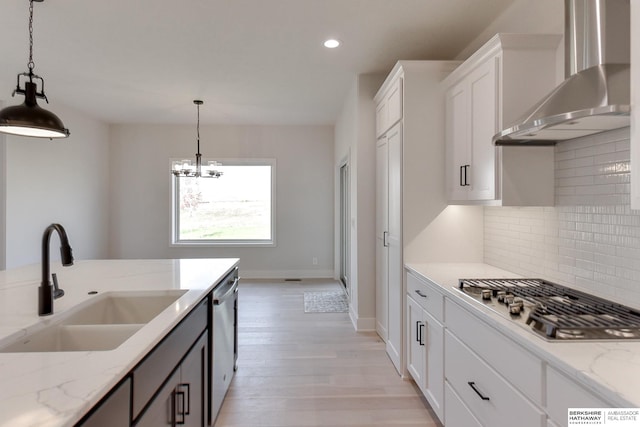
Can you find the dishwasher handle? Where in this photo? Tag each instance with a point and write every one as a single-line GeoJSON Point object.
{"type": "Point", "coordinates": [218, 300]}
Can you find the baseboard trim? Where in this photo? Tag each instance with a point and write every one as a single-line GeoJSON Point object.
{"type": "Point", "coordinates": [362, 324]}
{"type": "Point", "coordinates": [286, 274]}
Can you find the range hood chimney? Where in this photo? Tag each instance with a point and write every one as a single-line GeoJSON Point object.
{"type": "Point", "coordinates": [595, 94]}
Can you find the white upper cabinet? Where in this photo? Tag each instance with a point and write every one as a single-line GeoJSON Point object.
{"type": "Point", "coordinates": [389, 108]}
{"type": "Point", "coordinates": [485, 94]}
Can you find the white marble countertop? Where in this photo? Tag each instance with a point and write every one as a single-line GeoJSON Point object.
{"type": "Point", "coordinates": [58, 388]}
{"type": "Point", "coordinates": [610, 369]}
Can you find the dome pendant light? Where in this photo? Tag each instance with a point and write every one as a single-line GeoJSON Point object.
{"type": "Point", "coordinates": [29, 119]}
{"type": "Point", "coordinates": [187, 169]}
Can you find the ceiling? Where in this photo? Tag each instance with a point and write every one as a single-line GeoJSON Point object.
{"type": "Point", "coordinates": [251, 61]}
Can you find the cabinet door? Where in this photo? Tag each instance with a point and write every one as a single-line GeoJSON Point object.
{"type": "Point", "coordinates": [394, 103]}
{"type": "Point", "coordinates": [193, 382]}
{"type": "Point", "coordinates": [183, 398]}
{"type": "Point", "coordinates": [396, 292]}
{"type": "Point", "coordinates": [457, 140]}
{"type": "Point", "coordinates": [416, 342]}
{"type": "Point", "coordinates": [162, 410]}
{"type": "Point", "coordinates": [483, 100]}
{"type": "Point", "coordinates": [382, 117]}
{"type": "Point", "coordinates": [382, 227]}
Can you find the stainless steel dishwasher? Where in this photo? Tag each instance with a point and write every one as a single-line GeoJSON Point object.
{"type": "Point", "coordinates": [224, 354]}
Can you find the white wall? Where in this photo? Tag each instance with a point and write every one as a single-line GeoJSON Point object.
{"type": "Point", "coordinates": [523, 16]}
{"type": "Point", "coordinates": [432, 231]}
{"type": "Point", "coordinates": [355, 138]}
{"type": "Point", "coordinates": [141, 182]}
{"type": "Point", "coordinates": [63, 181]}
{"type": "Point", "coordinates": [591, 238]}
{"type": "Point", "coordinates": [346, 150]}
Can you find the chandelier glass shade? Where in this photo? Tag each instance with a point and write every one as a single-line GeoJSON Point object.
{"type": "Point", "coordinates": [190, 169]}
{"type": "Point", "coordinates": [28, 118]}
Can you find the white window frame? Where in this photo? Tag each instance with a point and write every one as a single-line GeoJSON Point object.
{"type": "Point", "coordinates": [175, 208]}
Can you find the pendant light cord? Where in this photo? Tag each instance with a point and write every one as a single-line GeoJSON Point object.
{"type": "Point", "coordinates": [198, 128]}
{"type": "Point", "coordinates": [31, 64]}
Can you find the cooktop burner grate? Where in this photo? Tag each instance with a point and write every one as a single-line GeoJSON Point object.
{"type": "Point", "coordinates": [560, 312]}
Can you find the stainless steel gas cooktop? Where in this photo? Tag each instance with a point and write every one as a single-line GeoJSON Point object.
{"type": "Point", "coordinates": [554, 312]}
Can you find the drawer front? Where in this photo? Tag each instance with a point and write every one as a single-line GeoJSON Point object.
{"type": "Point", "coordinates": [456, 413]}
{"type": "Point", "coordinates": [426, 295]}
{"type": "Point", "coordinates": [514, 363]}
{"type": "Point", "coordinates": [563, 393]}
{"type": "Point", "coordinates": [149, 375]}
{"type": "Point", "coordinates": [488, 396]}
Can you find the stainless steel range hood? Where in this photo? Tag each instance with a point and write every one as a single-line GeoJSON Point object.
{"type": "Point", "coordinates": [595, 95]}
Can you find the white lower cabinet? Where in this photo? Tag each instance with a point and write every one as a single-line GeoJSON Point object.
{"type": "Point", "coordinates": [497, 381]}
{"type": "Point", "coordinates": [489, 397]}
{"type": "Point", "coordinates": [564, 393]}
{"type": "Point", "coordinates": [476, 375]}
{"type": "Point", "coordinates": [425, 341]}
{"type": "Point", "coordinates": [456, 412]}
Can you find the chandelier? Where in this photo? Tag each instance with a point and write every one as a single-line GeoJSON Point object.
{"type": "Point", "coordinates": [188, 169]}
{"type": "Point", "coordinates": [29, 119]}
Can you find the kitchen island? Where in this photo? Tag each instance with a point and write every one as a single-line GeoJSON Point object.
{"type": "Point", "coordinates": [548, 377]}
{"type": "Point", "coordinates": [60, 388]}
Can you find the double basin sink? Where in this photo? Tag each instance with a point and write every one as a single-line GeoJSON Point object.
{"type": "Point", "coordinates": [103, 323]}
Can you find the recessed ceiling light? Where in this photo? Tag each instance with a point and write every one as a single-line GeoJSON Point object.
{"type": "Point", "coordinates": [331, 43]}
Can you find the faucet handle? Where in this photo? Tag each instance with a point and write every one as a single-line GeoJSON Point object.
{"type": "Point", "coordinates": [57, 292]}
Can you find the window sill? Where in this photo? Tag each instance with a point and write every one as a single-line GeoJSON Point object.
{"type": "Point", "coordinates": [223, 244]}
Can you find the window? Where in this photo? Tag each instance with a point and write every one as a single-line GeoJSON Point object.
{"type": "Point", "coordinates": [236, 209]}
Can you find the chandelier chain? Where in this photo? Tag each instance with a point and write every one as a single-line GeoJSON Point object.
{"type": "Point", "coordinates": [31, 64]}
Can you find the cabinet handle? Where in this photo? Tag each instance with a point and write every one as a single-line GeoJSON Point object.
{"type": "Point", "coordinates": [466, 177]}
{"type": "Point", "coordinates": [179, 411]}
{"type": "Point", "coordinates": [418, 335]}
{"type": "Point", "coordinates": [188, 397]}
{"type": "Point", "coordinates": [473, 386]}
{"type": "Point", "coordinates": [419, 292]}
{"type": "Point", "coordinates": [174, 408]}
{"type": "Point", "coordinates": [421, 331]}
{"type": "Point", "coordinates": [461, 174]}
{"type": "Point", "coordinates": [385, 239]}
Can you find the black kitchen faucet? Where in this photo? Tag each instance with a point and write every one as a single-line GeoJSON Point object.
{"type": "Point", "coordinates": [47, 293]}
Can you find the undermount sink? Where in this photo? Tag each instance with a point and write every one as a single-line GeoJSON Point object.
{"type": "Point", "coordinates": [100, 324]}
{"type": "Point", "coordinates": [60, 337]}
{"type": "Point", "coordinates": [123, 307]}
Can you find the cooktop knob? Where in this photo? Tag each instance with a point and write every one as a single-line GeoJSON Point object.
{"type": "Point", "coordinates": [486, 294]}
{"type": "Point", "coordinates": [501, 295]}
{"type": "Point", "coordinates": [508, 299]}
{"type": "Point", "coordinates": [515, 309]}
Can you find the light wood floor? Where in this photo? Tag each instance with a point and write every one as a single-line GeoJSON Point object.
{"type": "Point", "coordinates": [312, 369]}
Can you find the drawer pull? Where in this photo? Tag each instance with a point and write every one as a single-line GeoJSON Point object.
{"type": "Point", "coordinates": [419, 292]}
{"type": "Point", "coordinates": [473, 386]}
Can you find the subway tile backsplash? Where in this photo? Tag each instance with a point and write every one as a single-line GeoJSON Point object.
{"type": "Point", "coordinates": [591, 238]}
